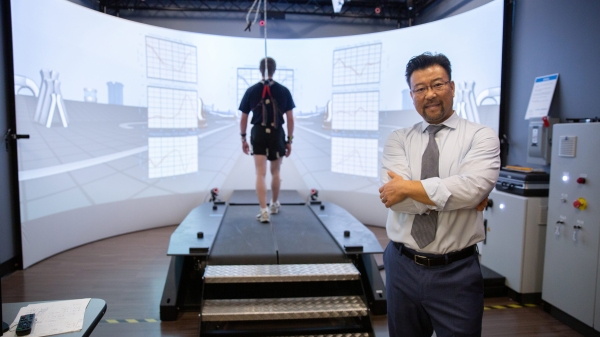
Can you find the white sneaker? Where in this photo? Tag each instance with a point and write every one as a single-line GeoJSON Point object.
{"type": "Point", "coordinates": [274, 208]}
{"type": "Point", "coordinates": [263, 216]}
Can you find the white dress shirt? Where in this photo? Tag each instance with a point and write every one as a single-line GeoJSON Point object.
{"type": "Point", "coordinates": [469, 168]}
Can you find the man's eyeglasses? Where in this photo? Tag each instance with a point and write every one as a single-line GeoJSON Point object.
{"type": "Point", "coordinates": [436, 87]}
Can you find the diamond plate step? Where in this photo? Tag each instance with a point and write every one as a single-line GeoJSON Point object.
{"type": "Point", "coordinates": [283, 308]}
{"type": "Point", "coordinates": [281, 273]}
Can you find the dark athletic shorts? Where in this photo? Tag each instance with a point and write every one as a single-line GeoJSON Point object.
{"type": "Point", "coordinates": [268, 141]}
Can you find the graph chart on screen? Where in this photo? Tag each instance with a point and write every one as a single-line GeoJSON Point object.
{"type": "Point", "coordinates": [172, 108]}
{"type": "Point", "coordinates": [171, 156]}
{"type": "Point", "coordinates": [357, 65]}
{"type": "Point", "coordinates": [170, 60]}
{"type": "Point", "coordinates": [356, 156]}
{"type": "Point", "coordinates": [355, 111]}
{"type": "Point", "coordinates": [247, 77]}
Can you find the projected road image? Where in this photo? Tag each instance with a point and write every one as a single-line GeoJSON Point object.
{"type": "Point", "coordinates": [109, 154]}
{"type": "Point", "coordinates": [133, 127]}
{"type": "Point", "coordinates": [171, 156]}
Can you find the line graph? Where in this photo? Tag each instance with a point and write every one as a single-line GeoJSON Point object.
{"type": "Point", "coordinates": [247, 77]}
{"type": "Point", "coordinates": [170, 60]}
{"type": "Point", "coordinates": [355, 111]}
{"type": "Point", "coordinates": [356, 156]}
{"type": "Point", "coordinates": [357, 65]}
{"type": "Point", "coordinates": [172, 108]}
{"type": "Point", "coordinates": [171, 156]}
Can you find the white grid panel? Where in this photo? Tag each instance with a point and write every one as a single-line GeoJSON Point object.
{"type": "Point", "coordinates": [172, 108]}
{"type": "Point", "coordinates": [357, 65]}
{"type": "Point", "coordinates": [355, 111]}
{"type": "Point", "coordinates": [247, 77]}
{"type": "Point", "coordinates": [170, 60]}
{"type": "Point", "coordinates": [355, 156]}
{"type": "Point", "coordinates": [171, 156]}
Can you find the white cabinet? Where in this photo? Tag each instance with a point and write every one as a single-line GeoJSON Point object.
{"type": "Point", "coordinates": [515, 235]}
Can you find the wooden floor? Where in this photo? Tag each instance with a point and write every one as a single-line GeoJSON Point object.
{"type": "Point", "coordinates": [129, 272]}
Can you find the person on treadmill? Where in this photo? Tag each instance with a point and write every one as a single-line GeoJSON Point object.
{"type": "Point", "coordinates": [268, 101]}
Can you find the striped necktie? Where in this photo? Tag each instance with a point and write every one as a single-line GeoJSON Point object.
{"type": "Point", "coordinates": [425, 225]}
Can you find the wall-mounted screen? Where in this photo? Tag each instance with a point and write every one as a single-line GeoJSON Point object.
{"type": "Point", "coordinates": [131, 125]}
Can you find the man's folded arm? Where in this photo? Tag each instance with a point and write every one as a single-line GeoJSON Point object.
{"type": "Point", "coordinates": [394, 160]}
{"type": "Point", "coordinates": [478, 173]}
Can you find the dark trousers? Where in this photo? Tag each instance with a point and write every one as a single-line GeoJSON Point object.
{"type": "Point", "coordinates": [447, 299]}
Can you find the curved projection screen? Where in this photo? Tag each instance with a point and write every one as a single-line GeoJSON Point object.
{"type": "Point", "coordinates": [131, 125]}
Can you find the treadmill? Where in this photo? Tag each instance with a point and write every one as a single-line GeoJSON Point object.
{"type": "Point", "coordinates": [310, 271]}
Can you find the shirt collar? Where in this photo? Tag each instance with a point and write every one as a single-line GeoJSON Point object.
{"type": "Point", "coordinates": [451, 122]}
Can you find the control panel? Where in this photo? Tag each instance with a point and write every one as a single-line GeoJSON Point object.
{"type": "Point", "coordinates": [571, 270]}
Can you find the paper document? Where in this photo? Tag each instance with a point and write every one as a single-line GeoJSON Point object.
{"type": "Point", "coordinates": [541, 96]}
{"type": "Point", "coordinates": [52, 318]}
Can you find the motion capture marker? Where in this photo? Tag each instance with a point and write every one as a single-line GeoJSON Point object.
{"type": "Point", "coordinates": [267, 101]}
{"type": "Point", "coordinates": [268, 130]}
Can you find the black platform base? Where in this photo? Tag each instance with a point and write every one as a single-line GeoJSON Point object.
{"type": "Point", "coordinates": [301, 233]}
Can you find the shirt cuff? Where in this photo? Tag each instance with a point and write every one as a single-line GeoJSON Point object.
{"type": "Point", "coordinates": [437, 192]}
{"type": "Point", "coordinates": [421, 207]}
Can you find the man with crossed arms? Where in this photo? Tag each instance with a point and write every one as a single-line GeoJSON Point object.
{"type": "Point", "coordinates": [436, 174]}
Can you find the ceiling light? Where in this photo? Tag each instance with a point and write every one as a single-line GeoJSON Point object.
{"type": "Point", "coordinates": [337, 5]}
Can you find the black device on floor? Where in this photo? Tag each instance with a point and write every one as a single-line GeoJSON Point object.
{"type": "Point", "coordinates": [24, 326]}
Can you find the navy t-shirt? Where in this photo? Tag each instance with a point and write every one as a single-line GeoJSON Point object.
{"type": "Point", "coordinates": [252, 97]}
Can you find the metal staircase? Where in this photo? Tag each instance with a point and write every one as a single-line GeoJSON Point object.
{"type": "Point", "coordinates": [284, 300]}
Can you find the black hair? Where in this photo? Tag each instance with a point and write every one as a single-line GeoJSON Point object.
{"type": "Point", "coordinates": [270, 63]}
{"type": "Point", "coordinates": [425, 61]}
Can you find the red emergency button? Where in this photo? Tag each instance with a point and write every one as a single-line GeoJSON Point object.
{"type": "Point", "coordinates": [581, 180]}
{"type": "Point", "coordinates": [580, 203]}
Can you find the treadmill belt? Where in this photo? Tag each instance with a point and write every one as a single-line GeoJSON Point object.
{"type": "Point", "coordinates": [248, 197]}
{"type": "Point", "coordinates": [295, 235]}
{"type": "Point", "coordinates": [242, 239]}
{"type": "Point", "coordinates": [301, 238]}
